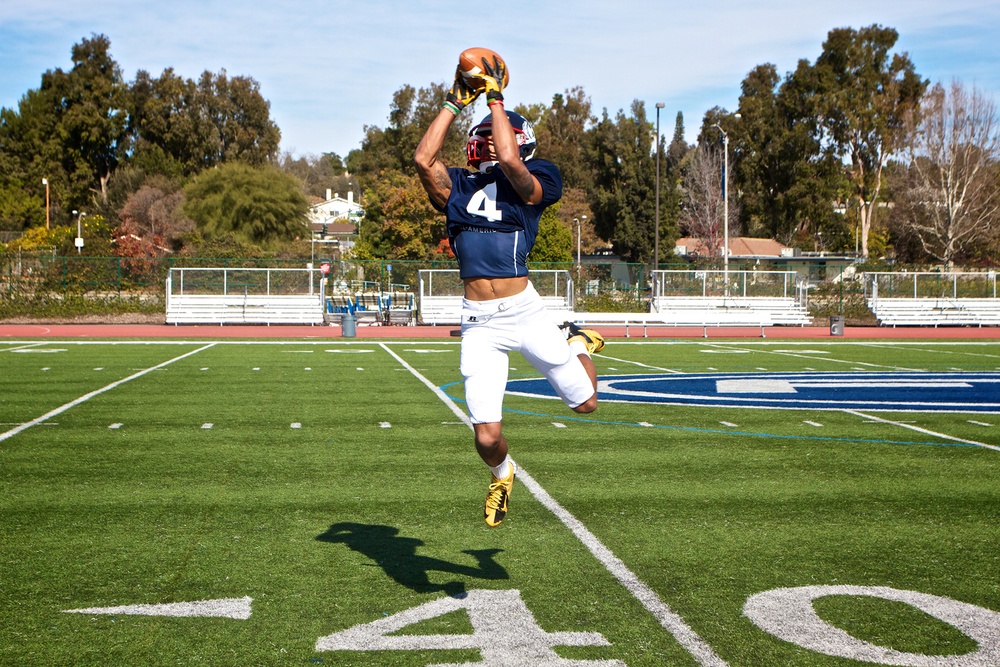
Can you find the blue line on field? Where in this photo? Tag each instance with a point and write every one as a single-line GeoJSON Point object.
{"type": "Point", "coordinates": [714, 431]}
{"type": "Point", "coordinates": [748, 434]}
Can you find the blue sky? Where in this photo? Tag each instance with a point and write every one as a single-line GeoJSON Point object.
{"type": "Point", "coordinates": [330, 67]}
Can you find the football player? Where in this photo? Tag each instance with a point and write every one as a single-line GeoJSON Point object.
{"type": "Point", "coordinates": [492, 214]}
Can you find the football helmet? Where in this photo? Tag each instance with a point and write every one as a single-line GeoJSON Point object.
{"type": "Point", "coordinates": [524, 134]}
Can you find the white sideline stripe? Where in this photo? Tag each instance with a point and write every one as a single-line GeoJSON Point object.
{"type": "Point", "coordinates": [922, 430]}
{"type": "Point", "coordinates": [667, 617]}
{"type": "Point", "coordinates": [97, 392]}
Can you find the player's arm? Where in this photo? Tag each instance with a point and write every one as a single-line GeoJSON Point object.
{"type": "Point", "coordinates": [505, 146]}
{"type": "Point", "coordinates": [509, 156]}
{"type": "Point", "coordinates": [433, 173]}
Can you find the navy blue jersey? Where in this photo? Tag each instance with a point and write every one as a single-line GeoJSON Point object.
{"type": "Point", "coordinates": [491, 230]}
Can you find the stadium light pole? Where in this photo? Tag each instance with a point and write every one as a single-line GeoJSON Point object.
{"type": "Point", "coordinates": [725, 206]}
{"type": "Point", "coordinates": [656, 233]}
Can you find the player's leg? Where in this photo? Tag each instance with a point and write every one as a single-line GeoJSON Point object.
{"type": "Point", "coordinates": [485, 367]}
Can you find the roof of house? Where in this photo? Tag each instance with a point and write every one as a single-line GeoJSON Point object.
{"type": "Point", "coordinates": [739, 246]}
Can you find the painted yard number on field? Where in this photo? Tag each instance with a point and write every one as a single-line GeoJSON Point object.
{"type": "Point", "coordinates": [507, 635]}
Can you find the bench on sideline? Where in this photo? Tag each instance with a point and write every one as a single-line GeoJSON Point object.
{"type": "Point", "coordinates": [232, 295]}
{"type": "Point", "coordinates": [705, 320]}
{"type": "Point", "coordinates": [244, 309]}
{"type": "Point", "coordinates": [935, 312]}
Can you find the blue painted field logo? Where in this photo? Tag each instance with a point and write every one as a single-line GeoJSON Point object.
{"type": "Point", "coordinates": [897, 392]}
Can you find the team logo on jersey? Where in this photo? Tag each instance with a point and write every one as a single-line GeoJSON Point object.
{"type": "Point", "coordinates": [904, 392]}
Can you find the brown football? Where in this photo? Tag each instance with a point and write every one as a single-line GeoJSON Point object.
{"type": "Point", "coordinates": [470, 64]}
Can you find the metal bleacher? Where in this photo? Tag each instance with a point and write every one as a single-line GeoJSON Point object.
{"type": "Point", "coordinates": [934, 299]}
{"type": "Point", "coordinates": [244, 296]}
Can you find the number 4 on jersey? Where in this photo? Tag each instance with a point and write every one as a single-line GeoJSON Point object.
{"type": "Point", "coordinates": [504, 631]}
{"type": "Point", "coordinates": [484, 203]}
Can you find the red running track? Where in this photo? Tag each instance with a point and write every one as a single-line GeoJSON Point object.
{"type": "Point", "coordinates": [214, 332]}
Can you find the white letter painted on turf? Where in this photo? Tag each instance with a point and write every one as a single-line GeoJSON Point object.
{"type": "Point", "coordinates": [788, 613]}
{"type": "Point", "coordinates": [505, 632]}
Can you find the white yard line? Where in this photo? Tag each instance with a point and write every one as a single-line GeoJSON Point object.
{"type": "Point", "coordinates": [23, 347]}
{"type": "Point", "coordinates": [921, 430]}
{"type": "Point", "coordinates": [86, 397]}
{"type": "Point", "coordinates": [667, 617]}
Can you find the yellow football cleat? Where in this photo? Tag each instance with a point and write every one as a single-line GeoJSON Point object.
{"type": "Point", "coordinates": [497, 497]}
{"type": "Point", "coordinates": [590, 338]}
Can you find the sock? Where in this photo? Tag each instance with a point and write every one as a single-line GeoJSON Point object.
{"type": "Point", "coordinates": [501, 471]}
{"type": "Point", "coordinates": [578, 347]}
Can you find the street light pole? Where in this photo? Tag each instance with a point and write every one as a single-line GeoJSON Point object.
{"type": "Point", "coordinates": [79, 231]}
{"type": "Point", "coordinates": [45, 182]}
{"type": "Point", "coordinates": [656, 233]}
{"type": "Point", "coordinates": [725, 206]}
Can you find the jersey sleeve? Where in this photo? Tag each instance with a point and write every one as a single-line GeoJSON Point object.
{"type": "Point", "coordinates": [549, 177]}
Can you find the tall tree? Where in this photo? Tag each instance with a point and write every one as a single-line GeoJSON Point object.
{"type": "Point", "coordinates": [71, 131]}
{"type": "Point", "coordinates": [561, 134]}
{"type": "Point", "coordinates": [787, 179]}
{"type": "Point", "coordinates": [947, 196]}
{"type": "Point", "coordinates": [864, 96]}
{"type": "Point", "coordinates": [623, 196]}
{"type": "Point", "coordinates": [257, 205]}
{"type": "Point", "coordinates": [205, 123]}
{"type": "Point", "coordinates": [702, 208]}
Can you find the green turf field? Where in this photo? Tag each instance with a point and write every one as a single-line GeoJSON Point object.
{"type": "Point", "coordinates": [320, 502]}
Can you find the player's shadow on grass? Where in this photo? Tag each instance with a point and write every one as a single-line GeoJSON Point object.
{"type": "Point", "coordinates": [398, 557]}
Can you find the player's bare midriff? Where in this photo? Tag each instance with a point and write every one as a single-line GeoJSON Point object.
{"type": "Point", "coordinates": [488, 289]}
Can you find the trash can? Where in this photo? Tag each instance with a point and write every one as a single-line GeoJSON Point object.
{"type": "Point", "coordinates": [348, 325]}
{"type": "Point", "coordinates": [837, 325]}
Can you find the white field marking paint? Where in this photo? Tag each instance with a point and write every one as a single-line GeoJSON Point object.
{"type": "Point", "coordinates": [724, 351]}
{"type": "Point", "coordinates": [350, 351]}
{"type": "Point", "coordinates": [207, 426]}
{"type": "Point", "coordinates": [22, 347]}
{"type": "Point", "coordinates": [46, 369]}
{"type": "Point", "coordinates": [646, 424]}
{"type": "Point", "coordinates": [559, 424]}
{"type": "Point", "coordinates": [731, 424]}
{"type": "Point", "coordinates": [204, 369]}
{"type": "Point", "coordinates": [612, 368]}
{"type": "Point", "coordinates": [101, 368]}
{"type": "Point", "coordinates": [360, 369]}
{"type": "Point", "coordinates": [788, 613]}
{"type": "Point", "coordinates": [297, 351]}
{"type": "Point", "coordinates": [920, 430]}
{"type": "Point", "coordinates": [667, 617]}
{"type": "Point", "coordinates": [235, 608]}
{"type": "Point", "coordinates": [384, 425]}
{"type": "Point", "coordinates": [97, 392]}
{"type": "Point", "coordinates": [808, 354]}
{"type": "Point", "coordinates": [973, 421]}
{"type": "Point", "coordinates": [296, 425]}
{"type": "Point", "coordinates": [115, 426]}
{"type": "Point", "coordinates": [816, 424]}
{"type": "Point", "coordinates": [636, 363]}
{"type": "Point", "coordinates": [431, 352]}
{"type": "Point", "coordinates": [41, 351]}
{"type": "Point", "coordinates": [504, 631]}
{"type": "Point", "coordinates": [256, 369]}
{"type": "Point", "coordinates": [308, 369]}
